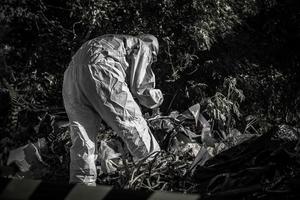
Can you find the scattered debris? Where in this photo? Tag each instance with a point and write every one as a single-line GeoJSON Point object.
{"type": "Point", "coordinates": [194, 157]}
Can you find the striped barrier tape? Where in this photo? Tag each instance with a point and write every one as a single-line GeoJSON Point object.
{"type": "Point", "coordinates": [11, 189]}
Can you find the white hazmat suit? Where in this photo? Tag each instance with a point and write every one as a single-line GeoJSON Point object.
{"type": "Point", "coordinates": [101, 81]}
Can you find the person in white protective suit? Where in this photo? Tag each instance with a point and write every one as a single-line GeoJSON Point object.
{"type": "Point", "coordinates": [100, 83]}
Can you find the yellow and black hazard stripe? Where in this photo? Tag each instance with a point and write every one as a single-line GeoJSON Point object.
{"type": "Point", "coordinates": [12, 189]}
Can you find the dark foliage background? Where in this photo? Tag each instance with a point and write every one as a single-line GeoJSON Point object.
{"type": "Point", "coordinates": [202, 42]}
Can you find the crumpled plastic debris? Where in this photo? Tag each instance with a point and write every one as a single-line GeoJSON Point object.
{"type": "Point", "coordinates": [28, 156]}
{"type": "Point", "coordinates": [193, 148]}
{"type": "Point", "coordinates": [202, 156]}
{"type": "Point", "coordinates": [201, 142]}
{"type": "Point", "coordinates": [174, 136]}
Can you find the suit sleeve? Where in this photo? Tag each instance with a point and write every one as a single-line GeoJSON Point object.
{"type": "Point", "coordinates": [142, 78]}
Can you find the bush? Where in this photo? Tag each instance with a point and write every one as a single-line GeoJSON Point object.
{"type": "Point", "coordinates": [201, 43]}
